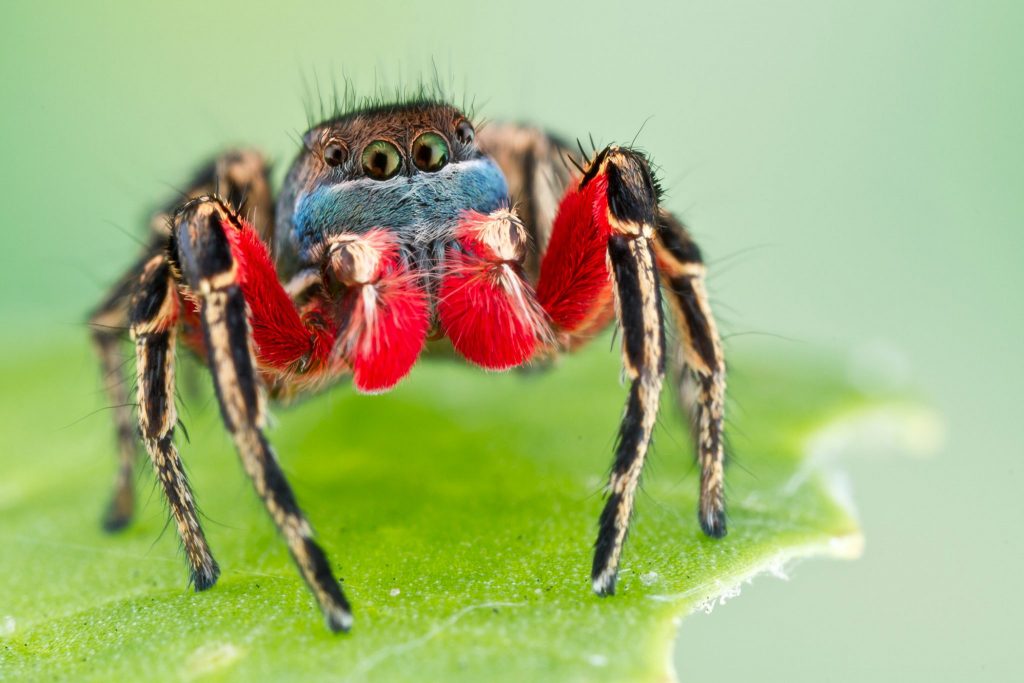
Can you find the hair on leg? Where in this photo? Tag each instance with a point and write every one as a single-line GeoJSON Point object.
{"type": "Point", "coordinates": [701, 381]}
{"type": "Point", "coordinates": [212, 272]}
{"type": "Point", "coordinates": [599, 262]}
{"type": "Point", "coordinates": [239, 174]}
{"type": "Point", "coordinates": [153, 314]}
{"type": "Point", "coordinates": [625, 189]}
{"type": "Point", "coordinates": [109, 329]}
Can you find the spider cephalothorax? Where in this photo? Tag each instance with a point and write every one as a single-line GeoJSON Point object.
{"type": "Point", "coordinates": [395, 226]}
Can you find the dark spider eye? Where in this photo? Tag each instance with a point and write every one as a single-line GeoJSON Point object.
{"type": "Point", "coordinates": [334, 153]}
{"type": "Point", "coordinates": [381, 160]}
{"type": "Point", "coordinates": [464, 132]}
{"type": "Point", "coordinates": [430, 152]}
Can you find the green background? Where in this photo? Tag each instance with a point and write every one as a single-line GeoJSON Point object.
{"type": "Point", "coordinates": [852, 169]}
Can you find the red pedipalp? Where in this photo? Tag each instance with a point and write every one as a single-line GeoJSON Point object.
{"type": "Point", "coordinates": [385, 320]}
{"type": "Point", "coordinates": [486, 307]}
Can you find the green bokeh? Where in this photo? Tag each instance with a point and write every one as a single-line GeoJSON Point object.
{"type": "Point", "coordinates": [853, 170]}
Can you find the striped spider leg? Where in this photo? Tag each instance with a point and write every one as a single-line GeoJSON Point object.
{"type": "Point", "coordinates": [192, 283]}
{"type": "Point", "coordinates": [225, 266]}
{"type": "Point", "coordinates": [607, 247]}
{"type": "Point", "coordinates": [239, 175]}
{"type": "Point", "coordinates": [606, 226]}
{"type": "Point", "coordinates": [700, 361]}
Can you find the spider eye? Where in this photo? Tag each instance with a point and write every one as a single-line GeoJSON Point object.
{"type": "Point", "coordinates": [334, 153]}
{"type": "Point", "coordinates": [465, 133]}
{"type": "Point", "coordinates": [430, 152]}
{"type": "Point", "coordinates": [381, 160]}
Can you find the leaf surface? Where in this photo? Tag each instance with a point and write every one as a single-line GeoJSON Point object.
{"type": "Point", "coordinates": [459, 510]}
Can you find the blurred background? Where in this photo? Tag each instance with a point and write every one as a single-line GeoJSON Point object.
{"type": "Point", "coordinates": [853, 171]}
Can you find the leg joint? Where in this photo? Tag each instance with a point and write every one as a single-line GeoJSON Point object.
{"type": "Point", "coordinates": [203, 249]}
{"type": "Point", "coordinates": [632, 190]}
{"type": "Point", "coordinates": [154, 305]}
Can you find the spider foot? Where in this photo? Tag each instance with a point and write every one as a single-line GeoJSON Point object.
{"type": "Point", "coordinates": [604, 581]}
{"type": "Point", "coordinates": [339, 619]}
{"type": "Point", "coordinates": [120, 509]}
{"type": "Point", "coordinates": [206, 575]}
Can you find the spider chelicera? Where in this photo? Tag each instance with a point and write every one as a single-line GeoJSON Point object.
{"type": "Point", "coordinates": [393, 228]}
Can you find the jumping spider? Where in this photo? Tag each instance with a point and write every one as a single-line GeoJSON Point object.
{"type": "Point", "coordinates": [394, 227]}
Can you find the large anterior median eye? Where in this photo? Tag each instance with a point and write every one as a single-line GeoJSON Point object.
{"type": "Point", "coordinates": [430, 152]}
{"type": "Point", "coordinates": [381, 160]}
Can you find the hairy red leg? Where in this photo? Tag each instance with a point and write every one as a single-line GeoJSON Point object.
{"type": "Point", "coordinates": [284, 340]}
{"type": "Point", "coordinates": [575, 287]}
{"type": "Point", "coordinates": [486, 307]}
{"type": "Point", "coordinates": [383, 311]}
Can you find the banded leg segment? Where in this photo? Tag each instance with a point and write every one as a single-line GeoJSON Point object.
{"type": "Point", "coordinates": [154, 315]}
{"type": "Point", "coordinates": [212, 273]}
{"type": "Point", "coordinates": [240, 175]}
{"type": "Point", "coordinates": [600, 257]}
{"type": "Point", "coordinates": [701, 382]}
{"type": "Point", "coordinates": [627, 197]}
{"type": "Point", "coordinates": [109, 326]}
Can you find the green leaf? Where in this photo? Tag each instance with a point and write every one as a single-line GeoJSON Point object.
{"type": "Point", "coordinates": [459, 510]}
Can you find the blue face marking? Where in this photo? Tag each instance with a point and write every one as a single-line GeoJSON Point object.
{"type": "Point", "coordinates": [421, 209]}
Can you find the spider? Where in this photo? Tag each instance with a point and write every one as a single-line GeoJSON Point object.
{"type": "Point", "coordinates": [395, 227]}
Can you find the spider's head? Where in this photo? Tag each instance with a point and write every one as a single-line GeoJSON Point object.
{"type": "Point", "coordinates": [410, 168]}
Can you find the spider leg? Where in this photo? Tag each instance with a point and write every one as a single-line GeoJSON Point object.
{"type": "Point", "coordinates": [701, 379]}
{"type": "Point", "coordinates": [154, 311]}
{"type": "Point", "coordinates": [605, 226]}
{"type": "Point", "coordinates": [212, 273]}
{"type": "Point", "coordinates": [632, 202]}
{"type": "Point", "coordinates": [573, 288]}
{"type": "Point", "coordinates": [109, 327]}
{"type": "Point", "coordinates": [240, 175]}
